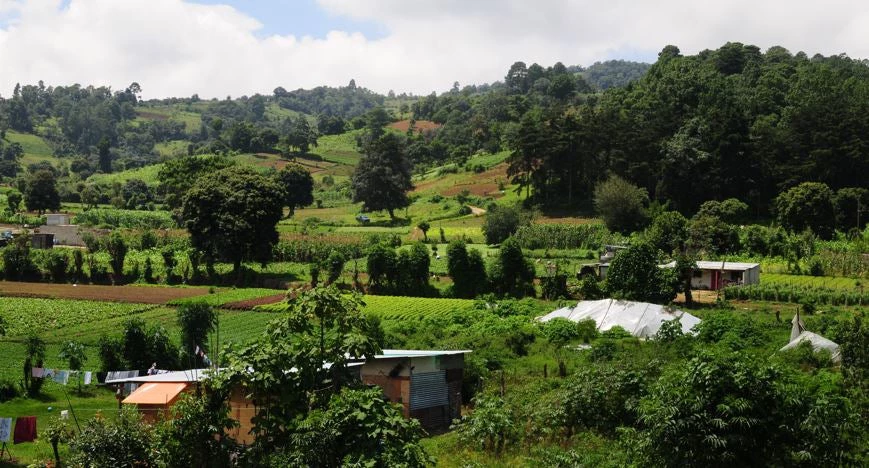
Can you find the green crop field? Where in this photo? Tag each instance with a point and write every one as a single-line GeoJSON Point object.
{"type": "Point", "coordinates": [339, 149]}
{"type": "Point", "coordinates": [148, 174]}
{"type": "Point", "coordinates": [24, 315]}
{"type": "Point", "coordinates": [35, 148]}
{"type": "Point", "coordinates": [812, 281]}
{"type": "Point", "coordinates": [230, 295]}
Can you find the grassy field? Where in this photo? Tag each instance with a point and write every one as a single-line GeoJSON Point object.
{"type": "Point", "coordinates": [191, 120]}
{"type": "Point", "coordinates": [35, 148]}
{"type": "Point", "coordinates": [339, 149]}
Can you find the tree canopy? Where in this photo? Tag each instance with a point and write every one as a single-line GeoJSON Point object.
{"type": "Point", "coordinates": [232, 214]}
{"type": "Point", "coordinates": [382, 178]}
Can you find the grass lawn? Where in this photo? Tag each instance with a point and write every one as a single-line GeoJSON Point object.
{"type": "Point", "coordinates": [91, 401]}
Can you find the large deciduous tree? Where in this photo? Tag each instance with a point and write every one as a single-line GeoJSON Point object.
{"type": "Point", "coordinates": [40, 192]}
{"type": "Point", "coordinates": [808, 205]}
{"type": "Point", "coordinates": [232, 214]}
{"type": "Point", "coordinates": [620, 204]}
{"type": "Point", "coordinates": [634, 275]}
{"type": "Point", "coordinates": [298, 186]}
{"type": "Point", "coordinates": [382, 178]}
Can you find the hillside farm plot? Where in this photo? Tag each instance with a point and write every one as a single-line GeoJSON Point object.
{"type": "Point", "coordinates": [26, 315]}
{"type": "Point", "coordinates": [36, 149]}
{"type": "Point", "coordinates": [409, 308]}
{"type": "Point", "coordinates": [399, 307]}
{"type": "Point", "coordinates": [226, 296]}
{"type": "Point", "coordinates": [130, 293]}
{"type": "Point", "coordinates": [812, 281]}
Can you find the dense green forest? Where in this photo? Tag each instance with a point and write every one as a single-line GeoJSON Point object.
{"type": "Point", "coordinates": [733, 122]}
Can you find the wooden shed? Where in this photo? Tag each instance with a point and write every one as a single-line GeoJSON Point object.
{"type": "Point", "coordinates": [428, 384]}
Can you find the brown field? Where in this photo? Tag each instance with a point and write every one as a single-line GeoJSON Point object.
{"type": "Point", "coordinates": [131, 293]}
{"type": "Point", "coordinates": [482, 185]}
{"type": "Point", "coordinates": [420, 125]}
{"type": "Point", "coordinates": [565, 220]}
{"type": "Point", "coordinates": [151, 115]}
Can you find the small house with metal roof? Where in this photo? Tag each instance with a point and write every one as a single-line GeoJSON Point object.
{"type": "Point", "coordinates": [715, 275]}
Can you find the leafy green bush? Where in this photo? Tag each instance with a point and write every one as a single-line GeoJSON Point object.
{"type": "Point", "coordinates": [122, 441]}
{"type": "Point", "coordinates": [490, 427]}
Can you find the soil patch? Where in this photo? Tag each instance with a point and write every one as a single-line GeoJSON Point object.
{"type": "Point", "coordinates": [420, 125]}
{"type": "Point", "coordinates": [90, 292]}
{"type": "Point", "coordinates": [151, 115]}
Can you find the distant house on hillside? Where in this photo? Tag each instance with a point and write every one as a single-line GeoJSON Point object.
{"type": "Point", "coordinates": [606, 256]}
{"type": "Point", "coordinates": [56, 219]}
{"type": "Point", "coordinates": [718, 274]}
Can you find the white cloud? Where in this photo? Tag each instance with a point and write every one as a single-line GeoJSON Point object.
{"type": "Point", "coordinates": [175, 48]}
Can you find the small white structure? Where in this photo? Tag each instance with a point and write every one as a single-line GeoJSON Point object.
{"type": "Point", "coordinates": [818, 343]}
{"type": "Point", "coordinates": [640, 319]}
{"type": "Point", "coordinates": [716, 275]}
{"type": "Point", "coordinates": [56, 219]}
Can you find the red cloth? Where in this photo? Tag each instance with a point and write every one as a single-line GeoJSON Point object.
{"type": "Point", "coordinates": [25, 429]}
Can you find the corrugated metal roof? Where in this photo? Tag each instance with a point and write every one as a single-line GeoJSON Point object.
{"type": "Point", "coordinates": [191, 375]}
{"type": "Point", "coordinates": [715, 265]}
{"type": "Point", "coordinates": [197, 375]}
{"type": "Point", "coordinates": [400, 353]}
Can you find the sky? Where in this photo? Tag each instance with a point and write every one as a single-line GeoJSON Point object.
{"type": "Point", "coordinates": [219, 48]}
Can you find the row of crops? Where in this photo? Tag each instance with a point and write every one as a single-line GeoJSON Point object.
{"type": "Point", "coordinates": [44, 316]}
{"type": "Point", "coordinates": [565, 236]}
{"type": "Point", "coordinates": [826, 282]}
{"type": "Point", "coordinates": [398, 307]}
{"type": "Point", "coordinates": [227, 296]}
{"type": "Point", "coordinates": [796, 294]}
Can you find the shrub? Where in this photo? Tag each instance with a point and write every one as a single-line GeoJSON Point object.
{"type": "Point", "coordinates": [512, 274]}
{"type": "Point", "coordinates": [620, 204]}
{"type": "Point", "coordinates": [490, 427]}
{"type": "Point", "coordinates": [502, 222]}
{"type": "Point", "coordinates": [121, 441]}
{"type": "Point", "coordinates": [57, 263]}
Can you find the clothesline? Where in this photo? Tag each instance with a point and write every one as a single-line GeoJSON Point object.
{"type": "Point", "coordinates": [60, 376]}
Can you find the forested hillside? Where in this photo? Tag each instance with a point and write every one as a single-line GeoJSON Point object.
{"type": "Point", "coordinates": [733, 122]}
{"type": "Point", "coordinates": [728, 123]}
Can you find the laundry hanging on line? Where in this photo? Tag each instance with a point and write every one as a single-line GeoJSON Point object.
{"type": "Point", "coordinates": [60, 376]}
{"type": "Point", "coordinates": [25, 429]}
{"type": "Point", "coordinates": [5, 429]}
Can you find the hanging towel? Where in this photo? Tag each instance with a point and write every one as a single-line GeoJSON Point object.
{"type": "Point", "coordinates": [61, 377]}
{"type": "Point", "coordinates": [25, 429]}
{"type": "Point", "coordinates": [37, 372]}
{"type": "Point", "coordinates": [48, 373]}
{"type": "Point", "coordinates": [5, 429]}
{"type": "Point", "coordinates": [87, 377]}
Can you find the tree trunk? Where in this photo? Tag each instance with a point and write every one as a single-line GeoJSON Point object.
{"type": "Point", "coordinates": [391, 213]}
{"type": "Point", "coordinates": [54, 443]}
{"type": "Point", "coordinates": [236, 271]}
